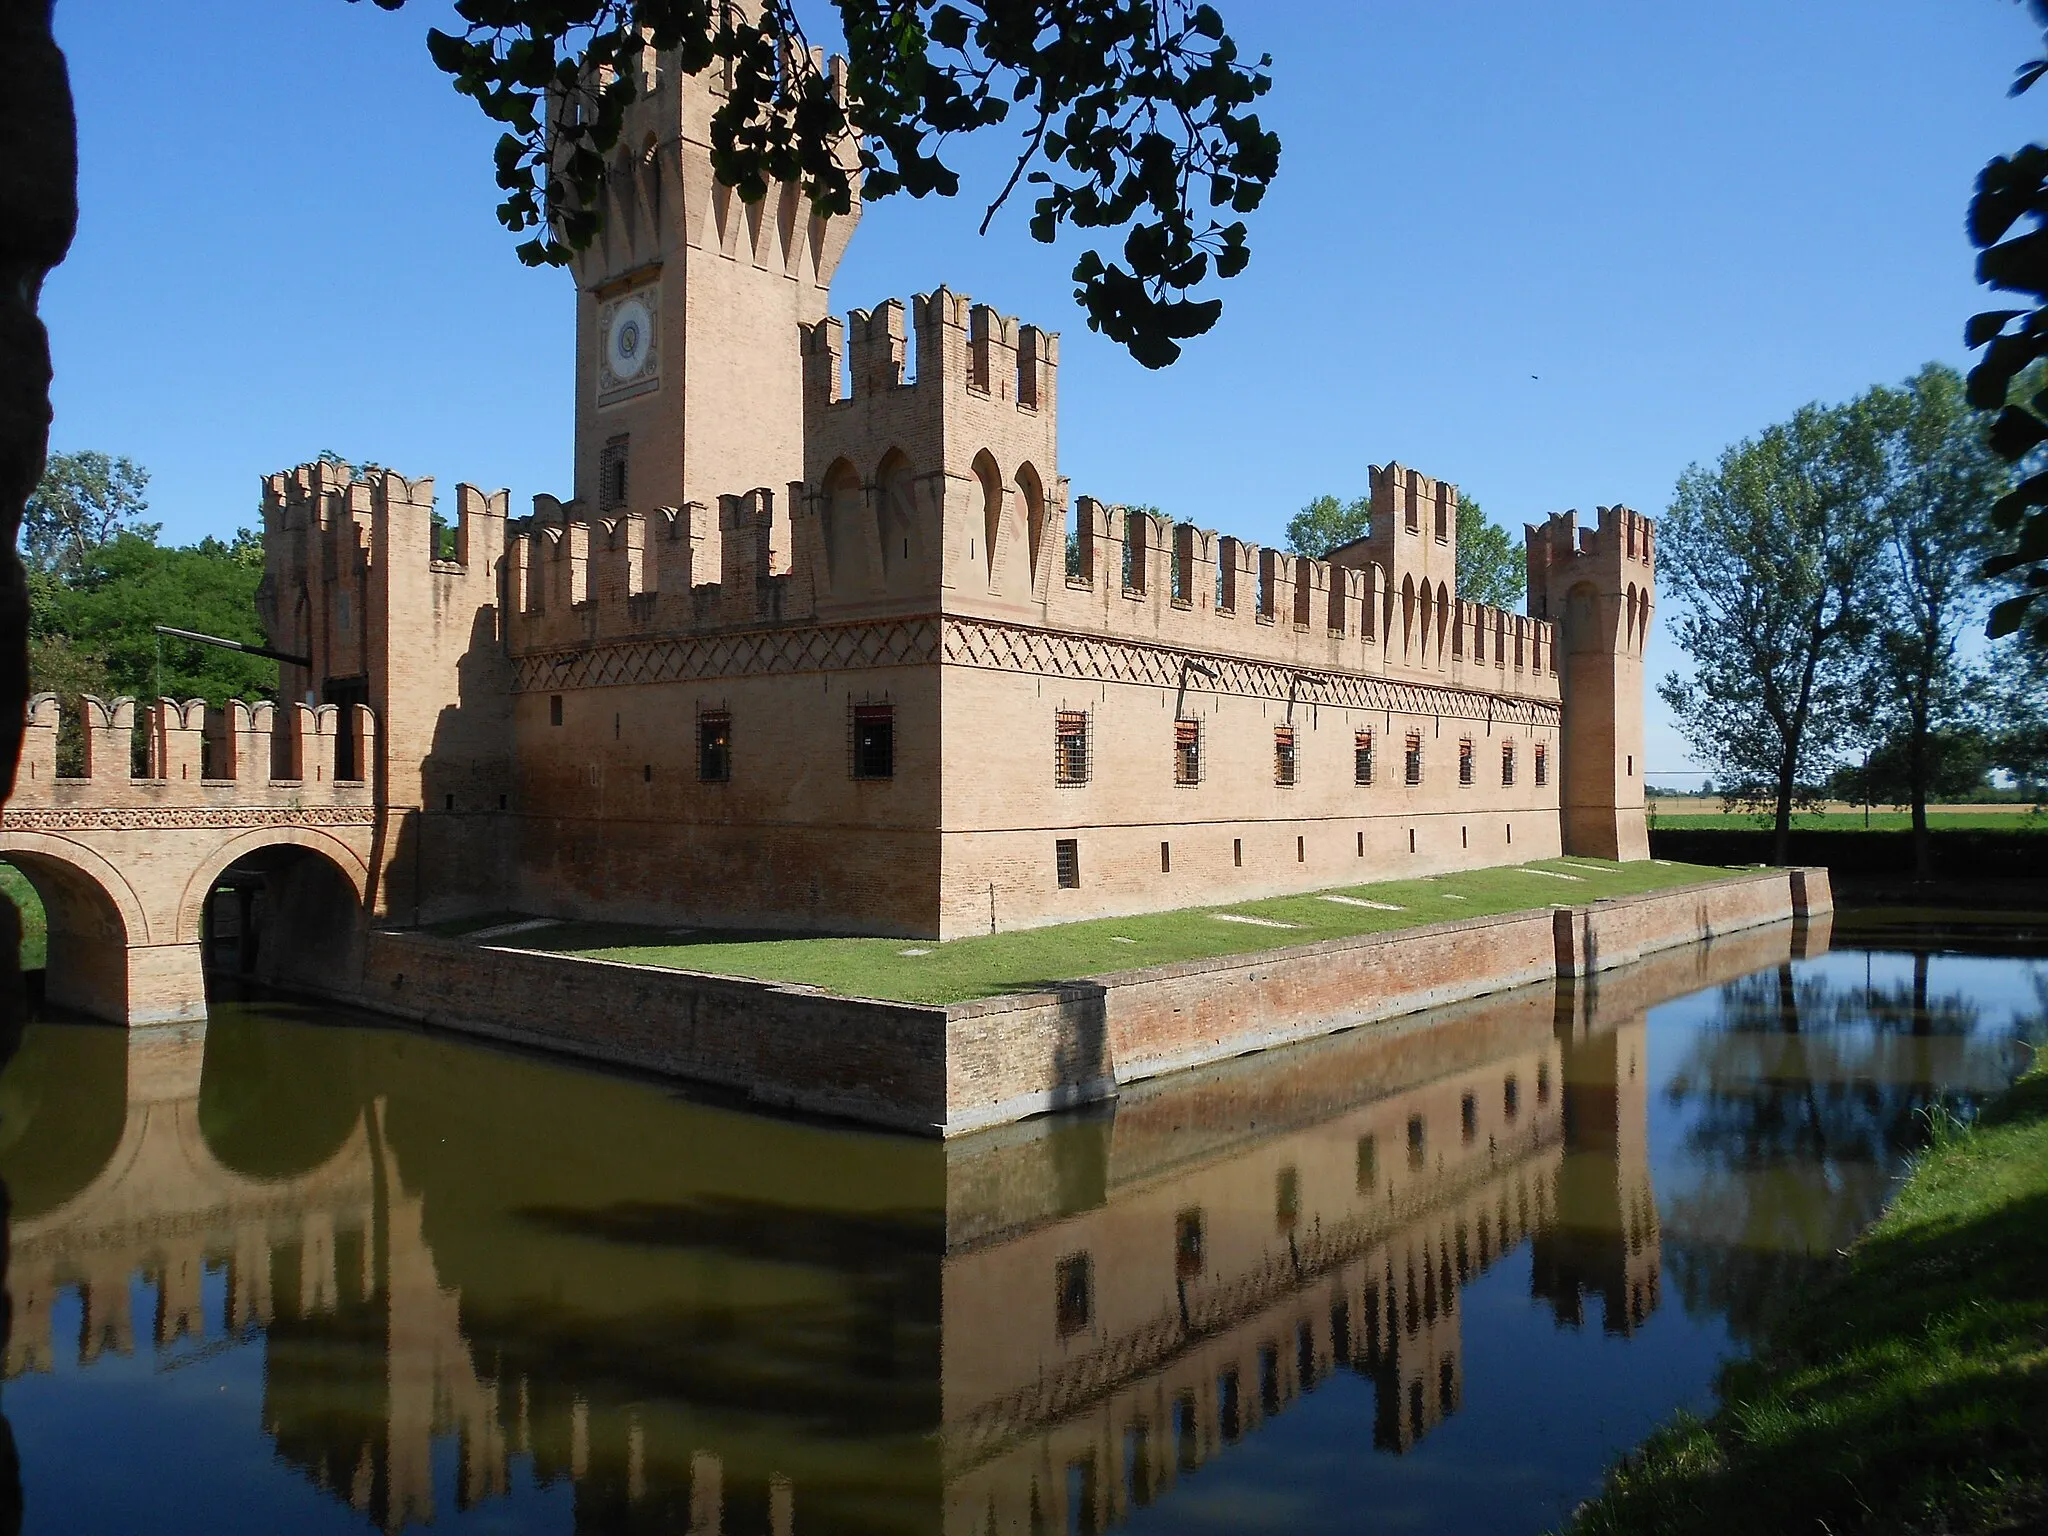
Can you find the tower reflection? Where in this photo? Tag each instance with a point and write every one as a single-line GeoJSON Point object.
{"type": "Point", "coordinates": [703, 1320]}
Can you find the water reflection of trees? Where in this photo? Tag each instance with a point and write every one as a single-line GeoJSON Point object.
{"type": "Point", "coordinates": [1801, 1098]}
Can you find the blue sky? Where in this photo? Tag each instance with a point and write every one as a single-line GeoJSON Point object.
{"type": "Point", "coordinates": [1684, 221]}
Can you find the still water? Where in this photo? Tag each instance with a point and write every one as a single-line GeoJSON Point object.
{"type": "Point", "coordinates": [301, 1271]}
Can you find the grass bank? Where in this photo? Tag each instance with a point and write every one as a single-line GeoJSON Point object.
{"type": "Point", "coordinates": [924, 971]}
{"type": "Point", "coordinates": [1990, 818]}
{"type": "Point", "coordinates": [1908, 1392]}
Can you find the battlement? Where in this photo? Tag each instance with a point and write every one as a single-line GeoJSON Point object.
{"type": "Point", "coordinates": [1407, 501]}
{"type": "Point", "coordinates": [323, 497]}
{"type": "Point", "coordinates": [1622, 540]}
{"type": "Point", "coordinates": [190, 753]}
{"type": "Point", "coordinates": [961, 348]}
{"type": "Point", "coordinates": [1142, 575]}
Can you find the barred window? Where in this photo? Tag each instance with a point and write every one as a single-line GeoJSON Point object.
{"type": "Point", "coordinates": [1507, 762]}
{"type": "Point", "coordinates": [611, 474]}
{"type": "Point", "coordinates": [1187, 751]}
{"type": "Point", "coordinates": [1413, 765]}
{"type": "Point", "coordinates": [874, 741]}
{"type": "Point", "coordinates": [1542, 763]}
{"type": "Point", "coordinates": [1361, 758]}
{"type": "Point", "coordinates": [1066, 859]}
{"type": "Point", "coordinates": [1070, 746]}
{"type": "Point", "coordinates": [1465, 761]}
{"type": "Point", "coordinates": [1283, 754]}
{"type": "Point", "coordinates": [714, 746]}
{"type": "Point", "coordinates": [1188, 1260]}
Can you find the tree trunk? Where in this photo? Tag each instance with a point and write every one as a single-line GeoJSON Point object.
{"type": "Point", "coordinates": [1916, 781]}
{"type": "Point", "coordinates": [38, 214]}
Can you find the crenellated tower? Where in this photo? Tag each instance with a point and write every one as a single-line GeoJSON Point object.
{"type": "Point", "coordinates": [688, 376]}
{"type": "Point", "coordinates": [1597, 586]}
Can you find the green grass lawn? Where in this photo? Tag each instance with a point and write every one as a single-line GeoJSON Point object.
{"type": "Point", "coordinates": [35, 933]}
{"type": "Point", "coordinates": [1908, 1393]}
{"type": "Point", "coordinates": [1851, 821]}
{"type": "Point", "coordinates": [925, 971]}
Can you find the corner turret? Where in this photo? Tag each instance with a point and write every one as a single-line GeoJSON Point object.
{"type": "Point", "coordinates": [1597, 586]}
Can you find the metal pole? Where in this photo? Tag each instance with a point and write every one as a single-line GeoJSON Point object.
{"type": "Point", "coordinates": [231, 645]}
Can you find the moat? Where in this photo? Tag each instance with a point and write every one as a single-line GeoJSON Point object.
{"type": "Point", "coordinates": [304, 1270]}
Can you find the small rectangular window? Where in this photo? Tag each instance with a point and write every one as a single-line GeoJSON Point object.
{"type": "Point", "coordinates": [1413, 765]}
{"type": "Point", "coordinates": [1507, 763]}
{"type": "Point", "coordinates": [1283, 754]}
{"type": "Point", "coordinates": [554, 709]}
{"type": "Point", "coordinates": [1368, 1164]}
{"type": "Point", "coordinates": [1237, 853]}
{"type": "Point", "coordinates": [714, 746]}
{"type": "Point", "coordinates": [1465, 762]}
{"type": "Point", "coordinates": [1070, 747]}
{"type": "Point", "coordinates": [1542, 764]}
{"type": "Point", "coordinates": [1187, 751]}
{"type": "Point", "coordinates": [1287, 1197]}
{"type": "Point", "coordinates": [874, 741]}
{"type": "Point", "coordinates": [611, 474]}
{"type": "Point", "coordinates": [1468, 1118]}
{"type": "Point", "coordinates": [1066, 858]}
{"type": "Point", "coordinates": [1510, 1098]}
{"type": "Point", "coordinates": [1361, 758]}
{"type": "Point", "coordinates": [1418, 1143]}
{"type": "Point", "coordinates": [1073, 1293]}
{"type": "Point", "coordinates": [1301, 850]}
{"type": "Point", "coordinates": [1166, 858]}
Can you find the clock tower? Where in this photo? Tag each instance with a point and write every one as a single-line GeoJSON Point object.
{"type": "Point", "coordinates": [689, 377]}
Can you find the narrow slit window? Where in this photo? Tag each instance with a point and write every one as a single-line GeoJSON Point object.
{"type": "Point", "coordinates": [1066, 859]}
{"type": "Point", "coordinates": [1465, 762]}
{"type": "Point", "coordinates": [1361, 758]}
{"type": "Point", "coordinates": [611, 474]}
{"type": "Point", "coordinates": [1070, 747]}
{"type": "Point", "coordinates": [1166, 858]}
{"type": "Point", "coordinates": [554, 709]}
{"type": "Point", "coordinates": [1187, 751]}
{"type": "Point", "coordinates": [714, 747]}
{"type": "Point", "coordinates": [1237, 852]}
{"type": "Point", "coordinates": [1301, 850]}
{"type": "Point", "coordinates": [1283, 755]}
{"type": "Point", "coordinates": [1412, 766]}
{"type": "Point", "coordinates": [874, 741]}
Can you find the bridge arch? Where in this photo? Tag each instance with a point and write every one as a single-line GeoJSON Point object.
{"type": "Point", "coordinates": [94, 918]}
{"type": "Point", "coordinates": [299, 900]}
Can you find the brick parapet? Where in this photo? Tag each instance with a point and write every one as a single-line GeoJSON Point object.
{"type": "Point", "coordinates": [240, 754]}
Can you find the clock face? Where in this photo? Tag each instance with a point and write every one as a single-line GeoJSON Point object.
{"type": "Point", "coordinates": [630, 340]}
{"type": "Point", "coordinates": [629, 349]}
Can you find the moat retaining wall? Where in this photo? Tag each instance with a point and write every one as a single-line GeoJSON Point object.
{"type": "Point", "coordinates": [959, 1068]}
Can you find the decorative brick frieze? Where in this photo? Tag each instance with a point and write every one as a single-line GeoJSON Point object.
{"type": "Point", "coordinates": [1004, 648]}
{"type": "Point", "coordinates": [183, 817]}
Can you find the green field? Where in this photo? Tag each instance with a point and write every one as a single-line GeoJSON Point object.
{"type": "Point", "coordinates": [1908, 1393]}
{"type": "Point", "coordinates": [925, 971]}
{"type": "Point", "coordinates": [1850, 821]}
{"type": "Point", "coordinates": [35, 935]}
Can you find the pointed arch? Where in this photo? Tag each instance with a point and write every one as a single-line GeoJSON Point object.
{"type": "Point", "coordinates": [1031, 502]}
{"type": "Point", "coordinates": [895, 512]}
{"type": "Point", "coordinates": [840, 513]}
{"type": "Point", "coordinates": [1407, 615]}
{"type": "Point", "coordinates": [990, 479]}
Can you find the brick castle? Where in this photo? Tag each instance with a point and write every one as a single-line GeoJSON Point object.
{"type": "Point", "coordinates": [821, 642]}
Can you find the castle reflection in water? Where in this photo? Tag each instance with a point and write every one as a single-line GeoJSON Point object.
{"type": "Point", "coordinates": [707, 1320]}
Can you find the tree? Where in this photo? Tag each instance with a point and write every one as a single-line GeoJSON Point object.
{"type": "Point", "coordinates": [82, 502]}
{"type": "Point", "coordinates": [1491, 569]}
{"type": "Point", "coordinates": [1941, 481]}
{"type": "Point", "coordinates": [1944, 764]}
{"type": "Point", "coordinates": [2014, 191]}
{"type": "Point", "coordinates": [1135, 116]}
{"type": "Point", "coordinates": [1326, 524]}
{"type": "Point", "coordinates": [1770, 556]}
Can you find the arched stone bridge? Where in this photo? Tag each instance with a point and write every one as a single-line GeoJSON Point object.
{"type": "Point", "coordinates": [250, 827]}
